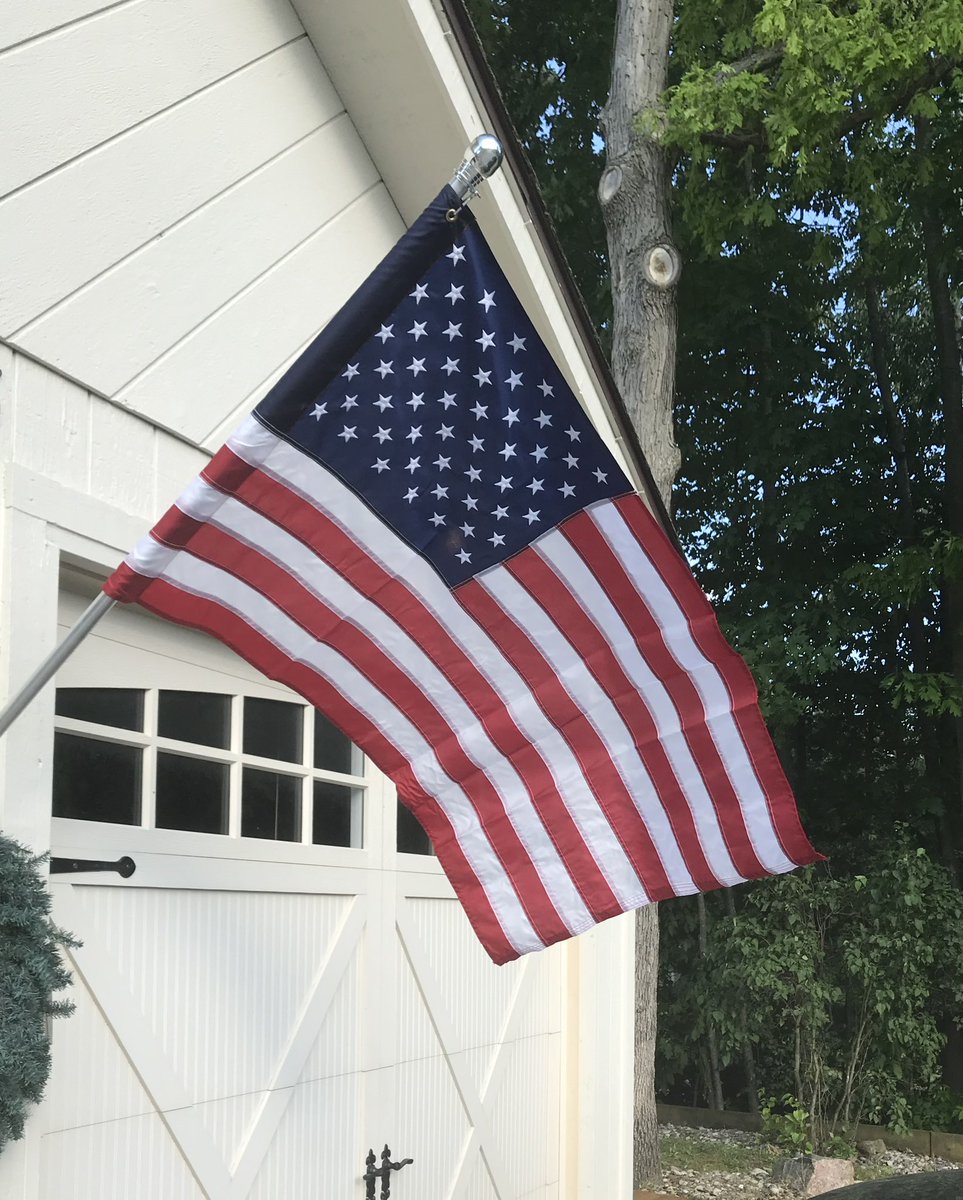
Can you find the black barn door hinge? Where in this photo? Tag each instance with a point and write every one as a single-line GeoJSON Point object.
{"type": "Point", "coordinates": [125, 867]}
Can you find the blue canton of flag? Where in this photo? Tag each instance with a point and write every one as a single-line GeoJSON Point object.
{"type": "Point", "coordinates": [455, 425]}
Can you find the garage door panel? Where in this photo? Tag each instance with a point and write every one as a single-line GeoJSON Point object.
{"type": "Point", "coordinates": [220, 976]}
{"type": "Point", "coordinates": [431, 1126]}
{"type": "Point", "coordinates": [77, 1092]}
{"type": "Point", "coordinates": [115, 1161]}
{"type": "Point", "coordinates": [228, 1123]}
{"type": "Point", "coordinates": [479, 1185]}
{"type": "Point", "coordinates": [477, 994]}
{"type": "Point", "coordinates": [317, 1145]}
{"type": "Point", "coordinates": [525, 1125]}
{"type": "Point", "coordinates": [338, 1049]}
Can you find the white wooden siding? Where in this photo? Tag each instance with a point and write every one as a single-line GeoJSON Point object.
{"type": "Point", "coordinates": [183, 200]}
{"type": "Point", "coordinates": [70, 226]}
{"type": "Point", "coordinates": [91, 80]}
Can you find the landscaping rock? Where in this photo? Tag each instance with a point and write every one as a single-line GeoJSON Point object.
{"type": "Point", "coordinates": [871, 1148]}
{"type": "Point", "coordinates": [813, 1175]}
{"type": "Point", "coordinates": [930, 1185]}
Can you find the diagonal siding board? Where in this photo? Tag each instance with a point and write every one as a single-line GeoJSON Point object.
{"type": "Point", "coordinates": [67, 228]}
{"type": "Point", "coordinates": [113, 329]}
{"type": "Point", "coordinates": [96, 78]}
{"type": "Point", "coordinates": [18, 22]}
{"type": "Point", "coordinates": [208, 374]}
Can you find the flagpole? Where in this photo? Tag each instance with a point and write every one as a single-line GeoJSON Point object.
{"type": "Point", "coordinates": [482, 160]}
{"type": "Point", "coordinates": [48, 668]}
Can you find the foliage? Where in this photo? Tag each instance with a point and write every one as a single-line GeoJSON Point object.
{"type": "Point", "coordinates": [840, 983]}
{"type": "Point", "coordinates": [30, 972]}
{"type": "Point", "coordinates": [819, 152]}
{"type": "Point", "coordinates": [786, 1124]}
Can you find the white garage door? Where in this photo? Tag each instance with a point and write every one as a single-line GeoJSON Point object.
{"type": "Point", "coordinates": [277, 987]}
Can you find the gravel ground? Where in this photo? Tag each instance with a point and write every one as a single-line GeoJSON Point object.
{"type": "Point", "coordinates": [724, 1185]}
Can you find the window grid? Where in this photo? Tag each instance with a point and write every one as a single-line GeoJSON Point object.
{"type": "Point", "coordinates": [235, 760]}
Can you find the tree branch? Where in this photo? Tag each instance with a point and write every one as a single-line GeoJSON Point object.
{"type": "Point", "coordinates": [759, 59]}
{"type": "Point", "coordinates": [935, 73]}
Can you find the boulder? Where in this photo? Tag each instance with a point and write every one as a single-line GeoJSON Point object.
{"type": "Point", "coordinates": [931, 1185]}
{"type": "Point", "coordinates": [813, 1175]}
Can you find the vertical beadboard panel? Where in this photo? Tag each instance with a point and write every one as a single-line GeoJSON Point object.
{"type": "Point", "coordinates": [416, 1036]}
{"type": "Point", "coordinates": [524, 1113]}
{"type": "Point", "coordinates": [430, 1125]}
{"type": "Point", "coordinates": [227, 1121]}
{"type": "Point", "coordinates": [51, 425]}
{"type": "Point", "coordinates": [75, 89]}
{"type": "Point", "coordinates": [480, 1186]}
{"type": "Point", "coordinates": [338, 1048]}
{"type": "Point", "coordinates": [220, 976]}
{"type": "Point", "coordinates": [317, 1153]}
{"type": "Point", "coordinates": [117, 1160]}
{"type": "Point", "coordinates": [478, 993]}
{"type": "Point", "coordinates": [91, 1079]}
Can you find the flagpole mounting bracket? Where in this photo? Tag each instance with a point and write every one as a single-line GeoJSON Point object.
{"type": "Point", "coordinates": [482, 159]}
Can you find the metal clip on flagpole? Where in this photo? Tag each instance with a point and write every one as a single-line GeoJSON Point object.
{"type": "Point", "coordinates": [481, 161]}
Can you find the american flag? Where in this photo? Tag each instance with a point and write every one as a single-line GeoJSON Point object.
{"type": "Point", "coordinates": [420, 530]}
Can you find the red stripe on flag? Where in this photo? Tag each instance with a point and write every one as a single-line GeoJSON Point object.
{"type": "Point", "coordinates": [733, 671]}
{"type": "Point", "coordinates": [199, 612]}
{"type": "Point", "coordinates": [328, 541]}
{"type": "Point", "coordinates": [594, 759]}
{"type": "Point", "coordinates": [221, 549]}
{"type": "Point", "coordinates": [590, 645]}
{"type": "Point", "coordinates": [588, 540]}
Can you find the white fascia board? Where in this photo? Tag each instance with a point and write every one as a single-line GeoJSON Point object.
{"type": "Point", "coordinates": [402, 79]}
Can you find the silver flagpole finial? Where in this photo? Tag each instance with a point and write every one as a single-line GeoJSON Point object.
{"type": "Point", "coordinates": [482, 159]}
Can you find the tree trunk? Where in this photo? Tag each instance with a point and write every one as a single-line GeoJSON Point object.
{"type": "Point", "coordinates": [645, 1125]}
{"type": "Point", "coordinates": [644, 263]}
{"type": "Point", "coordinates": [634, 194]}
{"type": "Point", "coordinates": [748, 1058]}
{"type": "Point", "coordinates": [715, 1076]}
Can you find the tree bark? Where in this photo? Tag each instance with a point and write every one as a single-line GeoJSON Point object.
{"type": "Point", "coordinates": [645, 265]}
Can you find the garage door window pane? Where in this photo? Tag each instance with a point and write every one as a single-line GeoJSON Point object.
{"type": "Point", "coordinates": [333, 750]}
{"type": "Point", "coordinates": [270, 805]}
{"type": "Point", "coordinates": [412, 839]}
{"type": "Point", "coordinates": [121, 707]}
{"type": "Point", "coordinates": [200, 717]}
{"type": "Point", "coordinates": [191, 794]}
{"type": "Point", "coordinates": [273, 729]}
{"type": "Point", "coordinates": [96, 781]}
{"type": "Point", "coordinates": [333, 812]}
